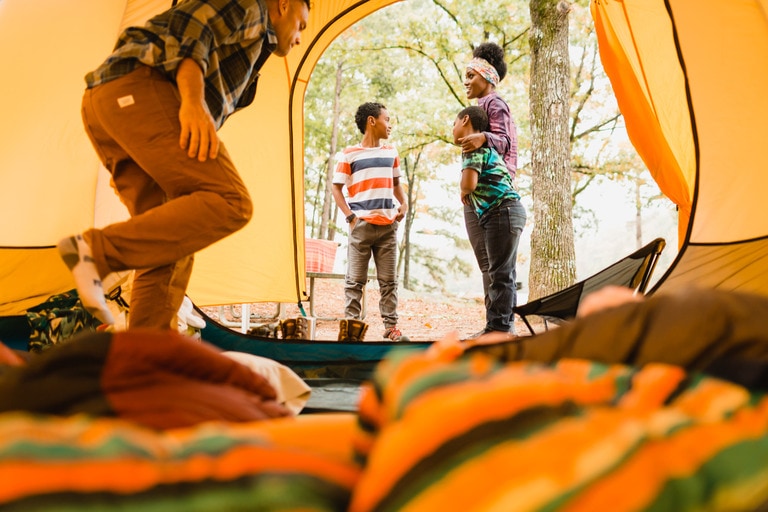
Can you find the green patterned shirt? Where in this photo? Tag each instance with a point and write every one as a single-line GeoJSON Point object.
{"type": "Point", "coordinates": [494, 184]}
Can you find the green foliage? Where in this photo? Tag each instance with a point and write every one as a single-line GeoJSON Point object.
{"type": "Point", "coordinates": [411, 56]}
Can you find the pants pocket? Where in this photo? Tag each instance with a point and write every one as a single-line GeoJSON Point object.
{"type": "Point", "coordinates": [516, 217]}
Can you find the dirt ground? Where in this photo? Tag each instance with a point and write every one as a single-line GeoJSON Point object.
{"type": "Point", "coordinates": [422, 317]}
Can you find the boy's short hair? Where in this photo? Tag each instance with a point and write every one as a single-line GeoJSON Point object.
{"type": "Point", "coordinates": [369, 108]}
{"type": "Point", "coordinates": [477, 118]}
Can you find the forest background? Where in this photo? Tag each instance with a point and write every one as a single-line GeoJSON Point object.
{"type": "Point", "coordinates": [590, 199]}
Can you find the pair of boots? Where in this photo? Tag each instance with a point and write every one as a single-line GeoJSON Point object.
{"type": "Point", "coordinates": [290, 329]}
{"type": "Point", "coordinates": [298, 329]}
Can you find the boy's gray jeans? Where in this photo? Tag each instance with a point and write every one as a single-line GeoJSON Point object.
{"type": "Point", "coordinates": [365, 240]}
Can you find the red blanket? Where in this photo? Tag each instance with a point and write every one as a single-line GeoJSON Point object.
{"type": "Point", "coordinates": [159, 379]}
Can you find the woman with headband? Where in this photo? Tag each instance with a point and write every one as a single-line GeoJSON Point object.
{"type": "Point", "coordinates": [484, 72]}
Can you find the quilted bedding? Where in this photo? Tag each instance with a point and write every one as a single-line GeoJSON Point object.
{"type": "Point", "coordinates": [469, 433]}
{"type": "Point", "coordinates": [660, 418]}
{"type": "Point", "coordinates": [433, 433]}
{"type": "Point", "coordinates": [81, 463]}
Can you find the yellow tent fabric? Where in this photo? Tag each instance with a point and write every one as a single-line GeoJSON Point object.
{"type": "Point", "coordinates": [53, 184]}
{"type": "Point", "coordinates": [638, 52]}
{"type": "Point", "coordinates": [690, 80]}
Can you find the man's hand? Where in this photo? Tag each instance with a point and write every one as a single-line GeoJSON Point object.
{"type": "Point", "coordinates": [472, 142]}
{"type": "Point", "coordinates": [198, 131]}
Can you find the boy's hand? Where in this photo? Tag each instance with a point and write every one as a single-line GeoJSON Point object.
{"type": "Point", "coordinates": [401, 211]}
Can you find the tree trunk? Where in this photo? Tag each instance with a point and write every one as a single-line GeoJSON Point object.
{"type": "Point", "coordinates": [553, 256]}
{"type": "Point", "coordinates": [409, 173]}
{"type": "Point", "coordinates": [329, 208]}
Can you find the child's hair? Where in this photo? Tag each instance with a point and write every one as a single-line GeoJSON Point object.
{"type": "Point", "coordinates": [494, 54]}
{"type": "Point", "coordinates": [477, 117]}
{"type": "Point", "coordinates": [365, 110]}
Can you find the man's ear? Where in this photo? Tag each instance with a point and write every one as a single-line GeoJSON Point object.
{"type": "Point", "coordinates": [282, 6]}
{"type": "Point", "coordinates": [465, 120]}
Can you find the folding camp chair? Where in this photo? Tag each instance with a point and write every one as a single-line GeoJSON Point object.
{"type": "Point", "coordinates": [633, 271]}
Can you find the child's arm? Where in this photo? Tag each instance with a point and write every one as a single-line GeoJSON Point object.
{"type": "Point", "coordinates": [399, 194]}
{"type": "Point", "coordinates": [468, 183]}
{"type": "Point", "coordinates": [341, 201]}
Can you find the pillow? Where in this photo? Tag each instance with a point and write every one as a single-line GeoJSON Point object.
{"type": "Point", "coordinates": [291, 390]}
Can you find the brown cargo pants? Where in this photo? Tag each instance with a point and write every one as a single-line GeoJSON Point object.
{"type": "Point", "coordinates": [177, 204]}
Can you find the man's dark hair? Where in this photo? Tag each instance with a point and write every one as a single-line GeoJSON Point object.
{"type": "Point", "coordinates": [494, 54]}
{"type": "Point", "coordinates": [477, 118]}
{"type": "Point", "coordinates": [365, 110]}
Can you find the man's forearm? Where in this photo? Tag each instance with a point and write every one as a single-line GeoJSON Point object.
{"type": "Point", "coordinates": [189, 80]}
{"type": "Point", "coordinates": [198, 130]}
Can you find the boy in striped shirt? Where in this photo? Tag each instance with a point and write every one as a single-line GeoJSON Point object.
{"type": "Point", "coordinates": [374, 206]}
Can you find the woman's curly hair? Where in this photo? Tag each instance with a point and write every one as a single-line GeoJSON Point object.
{"type": "Point", "coordinates": [494, 54]}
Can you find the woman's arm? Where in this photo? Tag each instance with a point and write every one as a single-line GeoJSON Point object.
{"type": "Point", "coordinates": [500, 121]}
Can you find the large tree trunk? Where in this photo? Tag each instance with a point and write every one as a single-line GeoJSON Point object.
{"type": "Point", "coordinates": [553, 257]}
{"type": "Point", "coordinates": [329, 209]}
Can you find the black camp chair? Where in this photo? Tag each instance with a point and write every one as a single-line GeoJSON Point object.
{"type": "Point", "coordinates": [633, 271]}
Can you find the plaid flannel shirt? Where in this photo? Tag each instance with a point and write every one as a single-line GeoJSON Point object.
{"type": "Point", "coordinates": [229, 40]}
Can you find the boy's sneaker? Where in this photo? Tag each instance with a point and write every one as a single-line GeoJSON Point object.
{"type": "Point", "coordinates": [394, 334]}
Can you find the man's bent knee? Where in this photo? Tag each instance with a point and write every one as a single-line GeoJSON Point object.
{"type": "Point", "coordinates": [242, 211]}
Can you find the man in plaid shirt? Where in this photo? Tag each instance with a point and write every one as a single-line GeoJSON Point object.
{"type": "Point", "coordinates": [152, 111]}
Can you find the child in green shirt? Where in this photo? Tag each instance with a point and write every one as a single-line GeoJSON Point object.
{"type": "Point", "coordinates": [487, 187]}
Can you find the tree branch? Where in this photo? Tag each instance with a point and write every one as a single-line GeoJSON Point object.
{"type": "Point", "coordinates": [597, 127]}
{"type": "Point", "coordinates": [424, 54]}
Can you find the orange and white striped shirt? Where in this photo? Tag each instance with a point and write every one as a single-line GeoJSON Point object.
{"type": "Point", "coordinates": [369, 174]}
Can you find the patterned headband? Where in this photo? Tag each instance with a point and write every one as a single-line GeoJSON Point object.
{"type": "Point", "coordinates": [485, 69]}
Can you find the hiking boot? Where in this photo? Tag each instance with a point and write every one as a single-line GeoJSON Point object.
{"type": "Point", "coordinates": [394, 334]}
{"type": "Point", "coordinates": [295, 328]}
{"type": "Point", "coordinates": [352, 330]}
{"type": "Point", "coordinates": [268, 330]}
{"type": "Point", "coordinates": [288, 328]}
{"type": "Point", "coordinates": [302, 328]}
